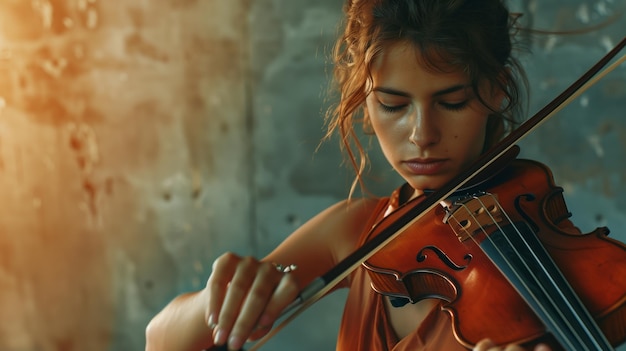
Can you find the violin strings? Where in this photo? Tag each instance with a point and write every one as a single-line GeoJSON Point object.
{"type": "Point", "coordinates": [549, 275]}
{"type": "Point", "coordinates": [506, 260]}
{"type": "Point", "coordinates": [501, 254]}
{"type": "Point", "coordinates": [532, 273]}
{"type": "Point", "coordinates": [529, 271]}
{"type": "Point", "coordinates": [588, 324]}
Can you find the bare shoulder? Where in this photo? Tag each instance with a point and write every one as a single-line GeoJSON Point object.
{"type": "Point", "coordinates": [358, 212]}
{"type": "Point", "coordinates": [348, 216]}
{"type": "Point", "coordinates": [327, 238]}
{"type": "Point", "coordinates": [341, 224]}
{"type": "Point", "coordinates": [352, 217]}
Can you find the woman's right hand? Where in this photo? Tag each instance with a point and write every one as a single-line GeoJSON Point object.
{"type": "Point", "coordinates": [488, 345]}
{"type": "Point", "coordinates": [245, 297]}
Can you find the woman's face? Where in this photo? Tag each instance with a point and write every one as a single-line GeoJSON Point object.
{"type": "Point", "coordinates": [430, 125]}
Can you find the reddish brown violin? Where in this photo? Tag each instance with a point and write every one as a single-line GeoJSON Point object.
{"type": "Point", "coordinates": [513, 225]}
{"type": "Point", "coordinates": [501, 262]}
{"type": "Point", "coordinates": [453, 254]}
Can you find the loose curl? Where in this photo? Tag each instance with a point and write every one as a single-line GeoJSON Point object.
{"type": "Point", "coordinates": [473, 35]}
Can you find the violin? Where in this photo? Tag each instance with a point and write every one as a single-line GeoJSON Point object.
{"type": "Point", "coordinates": [484, 256]}
{"type": "Point", "coordinates": [481, 253]}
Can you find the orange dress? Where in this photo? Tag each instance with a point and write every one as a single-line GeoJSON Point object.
{"type": "Point", "coordinates": [365, 326]}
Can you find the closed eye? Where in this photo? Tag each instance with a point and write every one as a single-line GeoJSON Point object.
{"type": "Point", "coordinates": [391, 109]}
{"type": "Point", "coordinates": [454, 106]}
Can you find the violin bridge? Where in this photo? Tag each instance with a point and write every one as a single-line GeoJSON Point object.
{"type": "Point", "coordinates": [471, 216]}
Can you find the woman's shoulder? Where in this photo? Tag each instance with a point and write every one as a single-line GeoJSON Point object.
{"type": "Point", "coordinates": [353, 213]}
{"type": "Point", "coordinates": [340, 223]}
{"type": "Point", "coordinates": [327, 238]}
{"type": "Point", "coordinates": [344, 222]}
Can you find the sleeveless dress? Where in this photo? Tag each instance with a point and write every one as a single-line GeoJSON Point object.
{"type": "Point", "coordinates": [365, 325]}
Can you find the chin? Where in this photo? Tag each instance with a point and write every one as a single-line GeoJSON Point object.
{"type": "Point", "coordinates": [428, 182]}
{"type": "Point", "coordinates": [425, 186]}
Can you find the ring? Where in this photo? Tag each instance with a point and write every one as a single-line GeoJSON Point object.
{"type": "Point", "coordinates": [285, 269]}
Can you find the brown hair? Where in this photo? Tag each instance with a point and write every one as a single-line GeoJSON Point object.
{"type": "Point", "coordinates": [474, 35]}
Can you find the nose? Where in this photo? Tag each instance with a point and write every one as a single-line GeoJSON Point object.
{"type": "Point", "coordinates": [424, 129]}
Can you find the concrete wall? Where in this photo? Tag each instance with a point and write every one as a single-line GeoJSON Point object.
{"type": "Point", "coordinates": [139, 140]}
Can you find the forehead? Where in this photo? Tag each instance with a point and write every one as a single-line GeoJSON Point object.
{"type": "Point", "coordinates": [405, 61]}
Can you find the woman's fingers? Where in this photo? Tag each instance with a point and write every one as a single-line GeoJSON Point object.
{"type": "Point", "coordinates": [284, 294]}
{"type": "Point", "coordinates": [488, 345]}
{"type": "Point", "coordinates": [484, 345]}
{"type": "Point", "coordinates": [223, 270]}
{"type": "Point", "coordinates": [245, 297]}
{"type": "Point", "coordinates": [236, 293]}
{"type": "Point", "coordinates": [253, 304]}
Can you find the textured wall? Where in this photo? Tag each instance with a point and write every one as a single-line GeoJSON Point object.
{"type": "Point", "coordinates": [138, 140]}
{"type": "Point", "coordinates": [124, 163]}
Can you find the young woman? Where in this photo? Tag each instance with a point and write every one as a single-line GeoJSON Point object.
{"type": "Point", "coordinates": [435, 82]}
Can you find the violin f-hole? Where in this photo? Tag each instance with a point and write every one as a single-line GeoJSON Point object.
{"type": "Point", "coordinates": [421, 256]}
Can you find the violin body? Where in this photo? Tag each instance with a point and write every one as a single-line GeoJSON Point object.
{"type": "Point", "coordinates": [440, 258]}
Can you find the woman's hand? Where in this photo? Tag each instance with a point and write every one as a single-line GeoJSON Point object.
{"type": "Point", "coordinates": [242, 299]}
{"type": "Point", "coordinates": [245, 297]}
{"type": "Point", "coordinates": [488, 345]}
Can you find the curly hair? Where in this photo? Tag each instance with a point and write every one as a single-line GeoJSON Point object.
{"type": "Point", "coordinates": [474, 36]}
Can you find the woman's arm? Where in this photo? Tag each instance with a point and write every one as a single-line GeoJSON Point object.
{"type": "Point", "coordinates": [181, 325]}
{"type": "Point", "coordinates": [244, 296]}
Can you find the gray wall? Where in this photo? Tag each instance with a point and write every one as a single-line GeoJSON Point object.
{"type": "Point", "coordinates": [139, 140]}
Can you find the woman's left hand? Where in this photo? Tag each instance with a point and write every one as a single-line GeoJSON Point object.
{"type": "Point", "coordinates": [488, 345]}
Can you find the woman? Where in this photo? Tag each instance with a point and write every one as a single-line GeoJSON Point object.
{"type": "Point", "coordinates": [435, 82]}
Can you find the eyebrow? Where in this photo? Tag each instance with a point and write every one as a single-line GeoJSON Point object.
{"type": "Point", "coordinates": [445, 91]}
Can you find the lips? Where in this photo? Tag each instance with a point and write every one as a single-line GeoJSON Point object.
{"type": "Point", "coordinates": [427, 166]}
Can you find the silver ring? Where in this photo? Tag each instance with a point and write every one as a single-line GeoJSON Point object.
{"type": "Point", "coordinates": [285, 269]}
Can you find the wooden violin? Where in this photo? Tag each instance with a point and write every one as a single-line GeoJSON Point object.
{"type": "Point", "coordinates": [499, 257]}
{"type": "Point", "coordinates": [533, 208]}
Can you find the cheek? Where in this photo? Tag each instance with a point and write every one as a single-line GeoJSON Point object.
{"type": "Point", "coordinates": [476, 127]}
{"type": "Point", "coordinates": [384, 126]}
{"type": "Point", "coordinates": [468, 135]}
{"type": "Point", "coordinates": [388, 132]}
{"type": "Point", "coordinates": [476, 141]}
